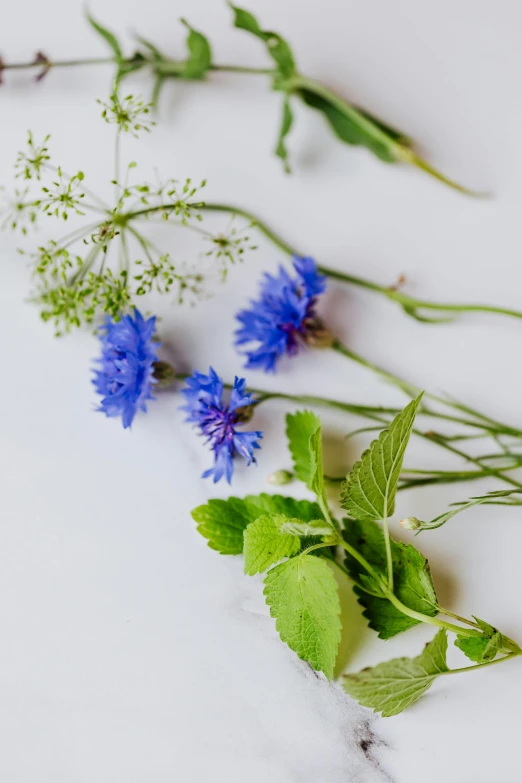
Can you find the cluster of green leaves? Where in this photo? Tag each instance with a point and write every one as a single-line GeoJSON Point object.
{"type": "Point", "coordinates": [349, 123]}
{"type": "Point", "coordinates": [296, 545]}
{"type": "Point", "coordinates": [195, 66]}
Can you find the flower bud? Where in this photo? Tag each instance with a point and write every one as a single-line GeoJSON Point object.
{"type": "Point", "coordinates": [164, 374]}
{"type": "Point", "coordinates": [317, 335]}
{"type": "Point", "coordinates": [280, 477]}
{"type": "Point", "coordinates": [410, 523]}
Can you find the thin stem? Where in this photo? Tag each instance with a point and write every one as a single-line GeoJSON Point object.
{"type": "Point", "coordinates": [323, 505]}
{"type": "Point", "coordinates": [127, 61]}
{"type": "Point", "coordinates": [389, 558]}
{"type": "Point", "coordinates": [117, 164]}
{"type": "Point", "coordinates": [424, 618]}
{"type": "Point", "coordinates": [458, 617]}
{"type": "Point", "coordinates": [360, 559]}
{"type": "Point", "coordinates": [409, 303]}
{"type": "Point", "coordinates": [103, 207]}
{"type": "Point", "coordinates": [125, 249]}
{"type": "Point", "coordinates": [487, 423]}
{"type": "Point", "coordinates": [378, 414]}
{"type": "Point", "coordinates": [313, 548]}
{"type": "Point", "coordinates": [481, 665]}
{"type": "Point", "coordinates": [476, 461]}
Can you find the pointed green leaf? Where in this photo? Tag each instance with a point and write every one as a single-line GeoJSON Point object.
{"type": "Point", "coordinates": [152, 49]}
{"type": "Point", "coordinates": [223, 522]}
{"type": "Point", "coordinates": [390, 687]}
{"type": "Point", "coordinates": [481, 648]}
{"type": "Point", "coordinates": [354, 126]}
{"type": "Point", "coordinates": [302, 596]}
{"type": "Point", "coordinates": [200, 54]}
{"type": "Point", "coordinates": [369, 490]}
{"type": "Point", "coordinates": [412, 580]}
{"type": "Point", "coordinates": [108, 37]}
{"type": "Point", "coordinates": [286, 124]}
{"type": "Point", "coordinates": [276, 46]}
{"type": "Point", "coordinates": [265, 543]}
{"type": "Point", "coordinates": [300, 427]}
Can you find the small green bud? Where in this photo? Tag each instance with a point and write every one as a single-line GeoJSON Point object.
{"type": "Point", "coordinates": [164, 374]}
{"type": "Point", "coordinates": [280, 477]}
{"type": "Point", "coordinates": [410, 523]}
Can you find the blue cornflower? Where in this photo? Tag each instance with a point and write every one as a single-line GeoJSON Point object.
{"type": "Point", "coordinates": [217, 420]}
{"type": "Point", "coordinates": [282, 316]}
{"type": "Point", "coordinates": [125, 377]}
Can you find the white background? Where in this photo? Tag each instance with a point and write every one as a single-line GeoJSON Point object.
{"type": "Point", "coordinates": [129, 651]}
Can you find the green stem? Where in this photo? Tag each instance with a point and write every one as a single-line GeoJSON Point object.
{"type": "Point", "coordinates": [424, 618]}
{"type": "Point", "coordinates": [117, 163]}
{"type": "Point", "coordinates": [476, 461]}
{"type": "Point", "coordinates": [486, 423]}
{"type": "Point", "coordinates": [377, 414]}
{"type": "Point", "coordinates": [174, 65]}
{"type": "Point", "coordinates": [408, 303]}
{"type": "Point", "coordinates": [313, 548]}
{"type": "Point", "coordinates": [389, 558]}
{"type": "Point", "coordinates": [392, 598]}
{"type": "Point", "coordinates": [482, 665]}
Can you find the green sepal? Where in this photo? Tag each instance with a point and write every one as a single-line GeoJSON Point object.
{"type": "Point", "coordinates": [481, 648]}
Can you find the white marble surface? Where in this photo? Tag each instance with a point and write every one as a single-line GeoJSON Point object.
{"type": "Point", "coordinates": [130, 652]}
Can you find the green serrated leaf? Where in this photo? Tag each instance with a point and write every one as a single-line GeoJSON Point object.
{"type": "Point", "coordinates": [200, 54]}
{"type": "Point", "coordinates": [300, 427]}
{"type": "Point", "coordinates": [286, 124]}
{"type": "Point", "coordinates": [277, 47]}
{"type": "Point", "coordinates": [302, 596]}
{"type": "Point", "coordinates": [390, 687]}
{"type": "Point", "coordinates": [108, 36]}
{"type": "Point", "coordinates": [265, 543]}
{"type": "Point", "coordinates": [412, 580]}
{"type": "Point", "coordinates": [481, 648]}
{"type": "Point", "coordinates": [355, 127]}
{"type": "Point", "coordinates": [369, 490]}
{"type": "Point", "coordinates": [223, 522]}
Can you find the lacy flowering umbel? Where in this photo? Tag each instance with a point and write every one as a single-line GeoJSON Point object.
{"type": "Point", "coordinates": [282, 317]}
{"type": "Point", "coordinates": [125, 378]}
{"type": "Point", "coordinates": [218, 420]}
